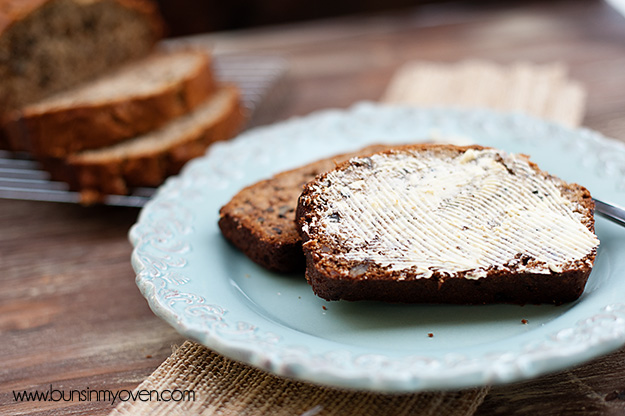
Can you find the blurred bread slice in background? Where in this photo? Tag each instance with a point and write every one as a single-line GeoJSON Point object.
{"type": "Point", "coordinates": [139, 97]}
{"type": "Point", "coordinates": [47, 46]}
{"type": "Point", "coordinates": [148, 159]}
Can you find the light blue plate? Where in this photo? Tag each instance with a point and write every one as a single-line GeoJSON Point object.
{"type": "Point", "coordinates": [212, 293]}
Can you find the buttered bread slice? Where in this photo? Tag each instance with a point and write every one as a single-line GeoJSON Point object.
{"type": "Point", "coordinates": [446, 224]}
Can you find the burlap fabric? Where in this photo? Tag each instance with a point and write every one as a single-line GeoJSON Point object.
{"type": "Point", "coordinates": [543, 91]}
{"type": "Point", "coordinates": [225, 387]}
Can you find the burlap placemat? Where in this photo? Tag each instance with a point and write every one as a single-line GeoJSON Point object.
{"type": "Point", "coordinates": [225, 387]}
{"type": "Point", "coordinates": [539, 90]}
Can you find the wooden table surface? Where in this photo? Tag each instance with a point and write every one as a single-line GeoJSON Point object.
{"type": "Point", "coordinates": [70, 313]}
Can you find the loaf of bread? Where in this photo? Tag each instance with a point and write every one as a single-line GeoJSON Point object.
{"type": "Point", "coordinates": [148, 159]}
{"type": "Point", "coordinates": [446, 224]}
{"type": "Point", "coordinates": [260, 219]}
{"type": "Point", "coordinates": [137, 98]}
{"type": "Point", "coordinates": [47, 46]}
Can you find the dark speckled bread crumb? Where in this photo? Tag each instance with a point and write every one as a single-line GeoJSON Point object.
{"type": "Point", "coordinates": [357, 246]}
{"type": "Point", "coordinates": [260, 219]}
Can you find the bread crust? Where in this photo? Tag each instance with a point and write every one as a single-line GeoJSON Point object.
{"type": "Point", "coordinates": [283, 255]}
{"type": "Point", "coordinates": [117, 175]}
{"type": "Point", "coordinates": [496, 287]}
{"type": "Point", "coordinates": [260, 219]}
{"type": "Point", "coordinates": [330, 280]}
{"type": "Point", "coordinates": [58, 132]}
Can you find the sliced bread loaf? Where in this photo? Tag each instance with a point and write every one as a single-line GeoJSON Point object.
{"type": "Point", "coordinates": [260, 219]}
{"type": "Point", "coordinates": [446, 224]}
{"type": "Point", "coordinates": [49, 45]}
{"type": "Point", "coordinates": [148, 159]}
{"type": "Point", "coordinates": [137, 98]}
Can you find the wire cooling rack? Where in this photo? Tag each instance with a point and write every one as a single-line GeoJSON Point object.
{"type": "Point", "coordinates": [23, 178]}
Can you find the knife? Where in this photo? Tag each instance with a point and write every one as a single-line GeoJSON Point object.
{"type": "Point", "coordinates": [610, 211]}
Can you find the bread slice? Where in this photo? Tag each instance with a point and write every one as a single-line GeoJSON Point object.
{"type": "Point", "coordinates": [260, 219]}
{"type": "Point", "coordinates": [47, 46]}
{"type": "Point", "coordinates": [137, 98]}
{"type": "Point", "coordinates": [148, 159]}
{"type": "Point", "coordinates": [446, 224]}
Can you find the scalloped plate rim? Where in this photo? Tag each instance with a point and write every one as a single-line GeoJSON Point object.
{"type": "Point", "coordinates": [272, 360]}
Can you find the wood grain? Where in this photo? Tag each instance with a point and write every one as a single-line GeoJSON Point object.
{"type": "Point", "coordinates": [70, 313]}
{"type": "Point", "coordinates": [597, 388]}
